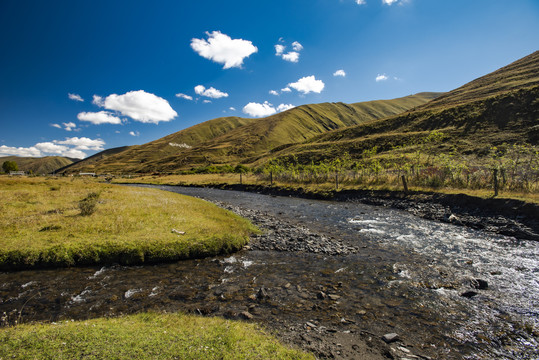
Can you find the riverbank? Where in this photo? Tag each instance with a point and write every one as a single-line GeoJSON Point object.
{"type": "Point", "coordinates": [58, 222]}
{"type": "Point", "coordinates": [509, 215]}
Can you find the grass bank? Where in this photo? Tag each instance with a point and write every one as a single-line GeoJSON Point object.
{"type": "Point", "coordinates": [42, 225]}
{"type": "Point", "coordinates": [324, 189]}
{"type": "Point", "coordinates": [144, 336]}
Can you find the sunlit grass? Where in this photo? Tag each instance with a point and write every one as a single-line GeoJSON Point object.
{"type": "Point", "coordinates": [41, 225]}
{"type": "Point", "coordinates": [144, 336]}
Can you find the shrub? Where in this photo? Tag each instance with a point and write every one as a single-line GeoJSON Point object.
{"type": "Point", "coordinates": [88, 204]}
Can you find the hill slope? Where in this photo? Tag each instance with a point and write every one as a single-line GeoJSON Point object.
{"type": "Point", "coordinates": [501, 107]}
{"type": "Point", "coordinates": [230, 140]}
{"type": "Point", "coordinates": [44, 165]}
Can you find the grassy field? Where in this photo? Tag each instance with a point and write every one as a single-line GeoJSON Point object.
{"type": "Point", "coordinates": [42, 224]}
{"type": "Point", "coordinates": [143, 336]}
{"type": "Point", "coordinates": [323, 188]}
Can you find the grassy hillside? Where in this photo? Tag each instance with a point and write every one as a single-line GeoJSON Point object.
{"type": "Point", "coordinates": [43, 165]}
{"type": "Point", "coordinates": [232, 140]}
{"type": "Point", "coordinates": [501, 107]}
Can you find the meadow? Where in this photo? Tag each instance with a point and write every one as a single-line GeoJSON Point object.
{"type": "Point", "coordinates": [52, 222]}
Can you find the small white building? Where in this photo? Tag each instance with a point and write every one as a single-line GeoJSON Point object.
{"type": "Point", "coordinates": [20, 173]}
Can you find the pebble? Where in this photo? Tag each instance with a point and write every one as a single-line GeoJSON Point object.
{"type": "Point", "coordinates": [391, 337]}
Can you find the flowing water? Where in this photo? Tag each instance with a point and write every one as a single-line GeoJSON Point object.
{"type": "Point", "coordinates": [408, 277]}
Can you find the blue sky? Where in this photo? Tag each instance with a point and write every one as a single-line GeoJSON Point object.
{"type": "Point", "coordinates": [77, 77]}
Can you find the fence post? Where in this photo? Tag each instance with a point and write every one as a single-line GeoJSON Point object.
{"type": "Point", "coordinates": [495, 179]}
{"type": "Point", "coordinates": [404, 183]}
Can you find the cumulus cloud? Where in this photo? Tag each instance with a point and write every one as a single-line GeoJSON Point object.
{"type": "Point", "coordinates": [273, 92]}
{"type": "Point", "coordinates": [265, 109]}
{"type": "Point", "coordinates": [20, 151]}
{"type": "Point", "coordinates": [361, 2]}
{"type": "Point", "coordinates": [339, 73]}
{"type": "Point", "coordinates": [138, 105]}
{"type": "Point", "coordinates": [292, 56]}
{"type": "Point", "coordinates": [259, 110]}
{"type": "Point", "coordinates": [279, 49]}
{"type": "Point", "coordinates": [297, 46]}
{"type": "Point", "coordinates": [389, 2]}
{"type": "Point", "coordinates": [206, 101]}
{"type": "Point", "coordinates": [286, 89]}
{"type": "Point", "coordinates": [134, 133]}
{"type": "Point", "coordinates": [232, 108]}
{"type": "Point", "coordinates": [211, 92]}
{"type": "Point", "coordinates": [184, 96]}
{"type": "Point", "coordinates": [284, 107]}
{"type": "Point", "coordinates": [222, 49]}
{"type": "Point", "coordinates": [98, 118]}
{"type": "Point", "coordinates": [56, 126]}
{"type": "Point", "coordinates": [381, 77]}
{"type": "Point", "coordinates": [75, 97]}
{"type": "Point", "coordinates": [308, 84]}
{"type": "Point", "coordinates": [69, 126]}
{"type": "Point", "coordinates": [82, 143]}
{"type": "Point", "coordinates": [70, 147]}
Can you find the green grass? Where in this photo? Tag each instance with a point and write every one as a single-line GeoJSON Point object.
{"type": "Point", "coordinates": [144, 336]}
{"type": "Point", "coordinates": [42, 226]}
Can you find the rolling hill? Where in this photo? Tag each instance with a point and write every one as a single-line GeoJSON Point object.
{"type": "Point", "coordinates": [231, 140]}
{"type": "Point", "coordinates": [500, 107]}
{"type": "Point", "coordinates": [43, 165]}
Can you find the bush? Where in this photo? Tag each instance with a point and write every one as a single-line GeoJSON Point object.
{"type": "Point", "coordinates": [88, 204]}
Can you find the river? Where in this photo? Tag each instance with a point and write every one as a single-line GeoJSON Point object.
{"type": "Point", "coordinates": [446, 290]}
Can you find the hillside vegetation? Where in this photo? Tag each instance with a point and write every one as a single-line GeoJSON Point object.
{"type": "Point", "coordinates": [231, 140]}
{"type": "Point", "coordinates": [43, 165]}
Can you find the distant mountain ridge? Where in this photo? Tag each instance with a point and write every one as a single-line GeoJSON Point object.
{"type": "Point", "coordinates": [43, 165]}
{"type": "Point", "coordinates": [231, 140]}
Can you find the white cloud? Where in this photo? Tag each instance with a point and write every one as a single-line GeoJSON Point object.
{"type": "Point", "coordinates": [389, 2]}
{"type": "Point", "coordinates": [286, 89]}
{"type": "Point", "coordinates": [184, 96]}
{"type": "Point", "coordinates": [297, 46]}
{"type": "Point", "coordinates": [211, 92]}
{"type": "Point", "coordinates": [51, 148]}
{"type": "Point", "coordinates": [308, 84]}
{"type": "Point", "coordinates": [206, 101]}
{"type": "Point", "coordinates": [134, 133]}
{"type": "Point", "coordinates": [75, 97]}
{"type": "Point", "coordinates": [259, 110]}
{"type": "Point", "coordinates": [56, 126]}
{"type": "Point", "coordinates": [98, 118]}
{"type": "Point", "coordinates": [222, 49]}
{"type": "Point", "coordinates": [265, 109]}
{"type": "Point", "coordinates": [279, 49]}
{"type": "Point", "coordinates": [381, 77]}
{"type": "Point", "coordinates": [138, 105]}
{"type": "Point", "coordinates": [70, 147]}
{"type": "Point", "coordinates": [339, 73]}
{"type": "Point", "coordinates": [82, 143]}
{"type": "Point", "coordinates": [70, 126]}
{"type": "Point", "coordinates": [273, 92]}
{"type": "Point", "coordinates": [20, 151]}
{"type": "Point", "coordinates": [292, 56]}
{"type": "Point", "coordinates": [284, 107]}
{"type": "Point", "coordinates": [232, 108]}
{"type": "Point", "coordinates": [361, 2]}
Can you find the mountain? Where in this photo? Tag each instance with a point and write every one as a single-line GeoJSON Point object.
{"type": "Point", "coordinates": [500, 107]}
{"type": "Point", "coordinates": [43, 165]}
{"type": "Point", "coordinates": [231, 140]}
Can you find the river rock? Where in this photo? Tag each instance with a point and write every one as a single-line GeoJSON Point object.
{"type": "Point", "coordinates": [391, 337]}
{"type": "Point", "coordinates": [479, 284]}
{"type": "Point", "coordinates": [246, 315]}
{"type": "Point", "coordinates": [468, 294]}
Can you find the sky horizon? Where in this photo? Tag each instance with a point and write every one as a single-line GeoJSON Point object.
{"type": "Point", "coordinates": [80, 77]}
